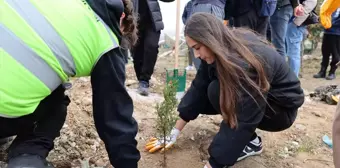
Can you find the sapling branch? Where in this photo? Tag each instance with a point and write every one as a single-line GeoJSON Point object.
{"type": "Point", "coordinates": [166, 114]}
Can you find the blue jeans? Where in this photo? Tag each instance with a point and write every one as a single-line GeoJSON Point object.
{"type": "Point", "coordinates": [294, 38]}
{"type": "Point", "coordinates": [278, 25]}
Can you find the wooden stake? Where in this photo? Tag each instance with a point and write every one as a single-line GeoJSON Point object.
{"type": "Point", "coordinates": [177, 33]}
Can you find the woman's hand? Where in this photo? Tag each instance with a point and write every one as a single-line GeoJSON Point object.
{"type": "Point", "coordinates": [156, 144]}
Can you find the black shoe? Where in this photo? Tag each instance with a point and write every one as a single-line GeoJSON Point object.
{"type": "Point", "coordinates": [28, 161]}
{"type": "Point", "coordinates": [330, 76]}
{"type": "Point", "coordinates": [253, 148]}
{"type": "Point", "coordinates": [143, 88]}
{"type": "Point", "coordinates": [321, 73]}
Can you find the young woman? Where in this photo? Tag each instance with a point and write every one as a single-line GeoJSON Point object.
{"type": "Point", "coordinates": [242, 78]}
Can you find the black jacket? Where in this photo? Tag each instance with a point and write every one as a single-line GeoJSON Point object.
{"type": "Point", "coordinates": [285, 93]}
{"type": "Point", "coordinates": [234, 8]}
{"type": "Point", "coordinates": [112, 105]}
{"type": "Point", "coordinates": [154, 11]}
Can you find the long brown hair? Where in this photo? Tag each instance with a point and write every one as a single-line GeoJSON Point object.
{"type": "Point", "coordinates": [129, 23]}
{"type": "Point", "coordinates": [230, 50]}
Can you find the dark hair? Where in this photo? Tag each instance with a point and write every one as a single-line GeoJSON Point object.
{"type": "Point", "coordinates": [129, 23]}
{"type": "Point", "coordinates": [230, 50]}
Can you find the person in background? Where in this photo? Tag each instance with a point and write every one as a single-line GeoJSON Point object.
{"type": "Point", "coordinates": [245, 14]}
{"type": "Point", "coordinates": [330, 47]}
{"type": "Point", "coordinates": [145, 52]}
{"type": "Point", "coordinates": [215, 7]}
{"type": "Point", "coordinates": [186, 14]}
{"type": "Point", "coordinates": [242, 78]}
{"type": "Point", "coordinates": [295, 32]}
{"type": "Point", "coordinates": [41, 56]}
{"type": "Point", "coordinates": [285, 10]}
{"type": "Point", "coordinates": [326, 10]}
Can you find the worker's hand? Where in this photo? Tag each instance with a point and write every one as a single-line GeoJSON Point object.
{"type": "Point", "coordinates": [156, 144]}
{"type": "Point", "coordinates": [299, 10]}
{"type": "Point", "coordinates": [225, 22]}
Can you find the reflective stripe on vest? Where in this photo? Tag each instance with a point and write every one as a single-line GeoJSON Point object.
{"type": "Point", "coordinates": [49, 35]}
{"type": "Point", "coordinates": [46, 31]}
{"type": "Point", "coordinates": [43, 44]}
{"type": "Point", "coordinates": [28, 58]}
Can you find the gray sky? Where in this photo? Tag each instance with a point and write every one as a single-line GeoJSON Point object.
{"type": "Point", "coordinates": [169, 16]}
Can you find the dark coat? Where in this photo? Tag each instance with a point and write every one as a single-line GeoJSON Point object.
{"type": "Point", "coordinates": [155, 12]}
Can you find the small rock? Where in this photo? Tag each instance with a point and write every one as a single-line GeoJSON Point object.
{"type": "Point", "coordinates": [283, 155]}
{"type": "Point", "coordinates": [73, 144]}
{"type": "Point", "coordinates": [192, 138]}
{"type": "Point", "coordinates": [316, 114]}
{"type": "Point", "coordinates": [77, 101]}
{"type": "Point", "coordinates": [300, 126]}
{"type": "Point", "coordinates": [286, 150]}
{"type": "Point", "coordinates": [295, 143]}
{"type": "Point", "coordinates": [84, 79]}
{"type": "Point", "coordinates": [87, 101]}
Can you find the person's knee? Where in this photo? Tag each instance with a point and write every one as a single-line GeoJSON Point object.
{"type": "Point", "coordinates": [214, 94]}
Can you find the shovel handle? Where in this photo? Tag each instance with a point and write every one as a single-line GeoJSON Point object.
{"type": "Point", "coordinates": [177, 32]}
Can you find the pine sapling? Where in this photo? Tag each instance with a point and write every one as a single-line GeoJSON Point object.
{"type": "Point", "coordinates": [166, 114]}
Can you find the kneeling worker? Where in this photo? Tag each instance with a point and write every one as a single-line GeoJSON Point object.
{"type": "Point", "coordinates": [42, 45]}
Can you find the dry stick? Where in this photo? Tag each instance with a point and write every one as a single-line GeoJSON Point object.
{"type": "Point", "coordinates": [321, 160]}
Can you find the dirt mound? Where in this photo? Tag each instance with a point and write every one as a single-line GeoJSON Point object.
{"type": "Point", "coordinates": [325, 93]}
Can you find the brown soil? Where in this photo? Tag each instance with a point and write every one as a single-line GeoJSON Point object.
{"type": "Point", "coordinates": [300, 146]}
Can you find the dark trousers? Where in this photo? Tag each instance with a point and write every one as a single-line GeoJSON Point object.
{"type": "Point", "coordinates": [330, 46]}
{"type": "Point", "coordinates": [276, 121]}
{"type": "Point", "coordinates": [145, 53]}
{"type": "Point", "coordinates": [252, 21]}
{"type": "Point", "coordinates": [36, 132]}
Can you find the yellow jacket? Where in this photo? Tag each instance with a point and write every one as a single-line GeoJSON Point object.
{"type": "Point", "coordinates": [327, 8]}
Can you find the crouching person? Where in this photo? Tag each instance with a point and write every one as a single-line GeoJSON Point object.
{"type": "Point", "coordinates": [242, 78]}
{"type": "Point", "coordinates": [43, 44]}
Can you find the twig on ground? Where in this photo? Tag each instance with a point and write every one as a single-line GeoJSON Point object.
{"type": "Point", "coordinates": [321, 160]}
